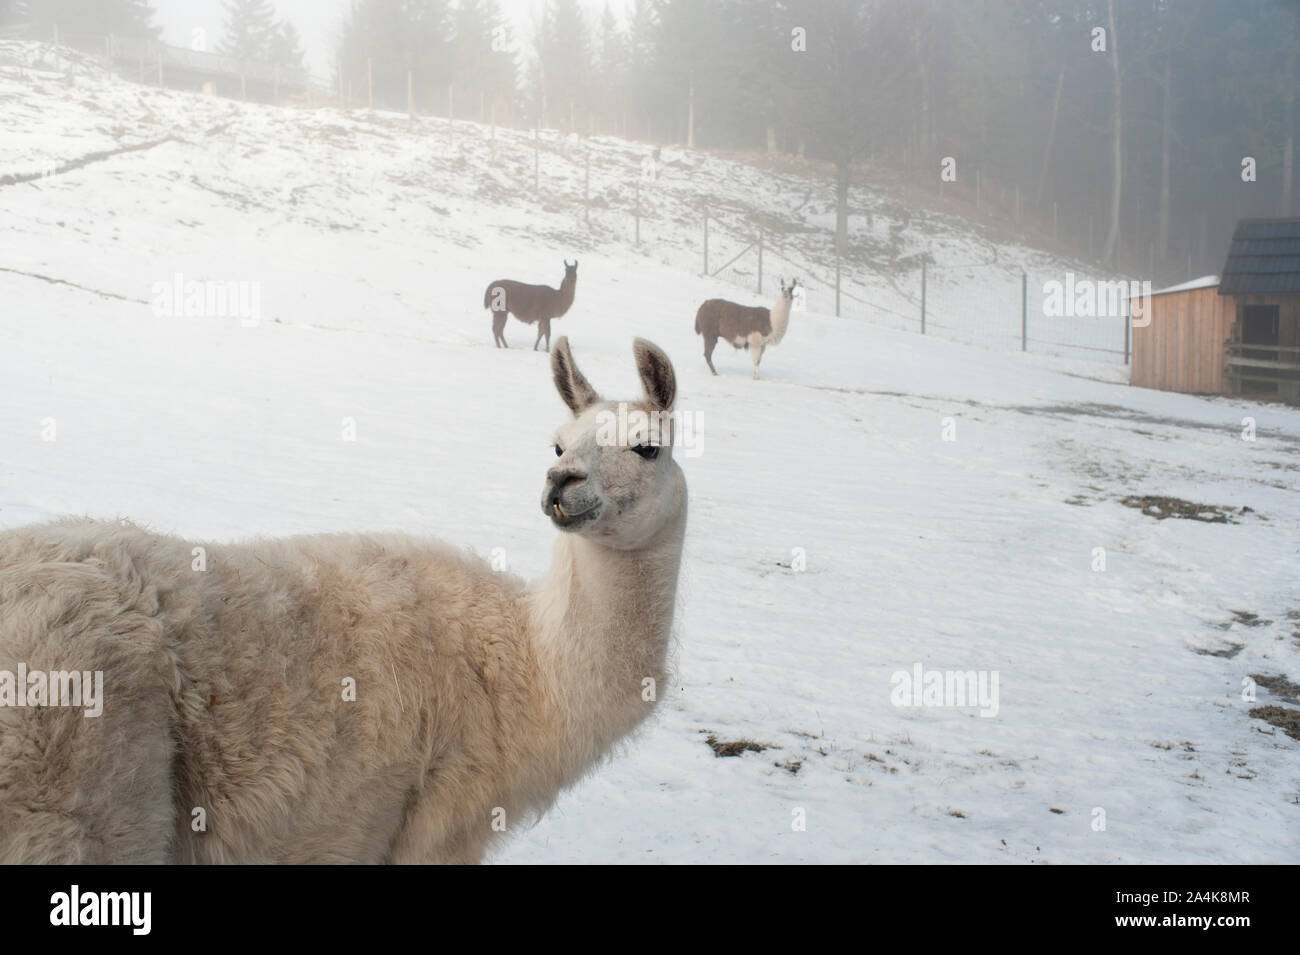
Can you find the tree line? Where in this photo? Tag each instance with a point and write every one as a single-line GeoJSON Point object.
{"type": "Point", "coordinates": [252, 31]}
{"type": "Point", "coordinates": [1135, 132]}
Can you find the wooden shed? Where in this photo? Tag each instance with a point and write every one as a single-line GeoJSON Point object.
{"type": "Point", "coordinates": [1179, 339]}
{"type": "Point", "coordinates": [1238, 333]}
{"type": "Point", "coordinates": [1262, 280]}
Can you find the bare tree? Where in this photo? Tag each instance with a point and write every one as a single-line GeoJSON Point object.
{"type": "Point", "coordinates": [1288, 119]}
{"type": "Point", "coordinates": [1117, 142]}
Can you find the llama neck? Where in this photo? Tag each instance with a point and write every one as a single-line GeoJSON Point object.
{"type": "Point", "coordinates": [567, 288]}
{"type": "Point", "coordinates": [601, 621]}
{"type": "Point", "coordinates": [780, 320]}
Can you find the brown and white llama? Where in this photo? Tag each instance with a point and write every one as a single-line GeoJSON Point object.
{"type": "Point", "coordinates": [341, 697]}
{"type": "Point", "coordinates": [744, 326]}
{"type": "Point", "coordinates": [529, 304]}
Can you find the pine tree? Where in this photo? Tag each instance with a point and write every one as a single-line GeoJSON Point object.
{"type": "Point", "coordinates": [840, 102]}
{"type": "Point", "coordinates": [611, 65]}
{"type": "Point", "coordinates": [695, 69]}
{"type": "Point", "coordinates": [481, 72]}
{"type": "Point", "coordinates": [250, 30]}
{"type": "Point", "coordinates": [564, 56]}
{"type": "Point", "coordinates": [383, 40]}
{"type": "Point", "coordinates": [286, 47]}
{"type": "Point", "coordinates": [641, 78]}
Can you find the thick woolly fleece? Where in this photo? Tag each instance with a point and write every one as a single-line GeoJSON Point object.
{"type": "Point", "coordinates": [332, 698]}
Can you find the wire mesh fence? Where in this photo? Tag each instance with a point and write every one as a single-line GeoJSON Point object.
{"type": "Point", "coordinates": [989, 304]}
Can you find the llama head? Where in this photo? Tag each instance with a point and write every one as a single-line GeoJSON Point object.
{"type": "Point", "coordinates": [615, 481]}
{"type": "Point", "coordinates": [570, 271]}
{"type": "Point", "coordinates": [787, 291]}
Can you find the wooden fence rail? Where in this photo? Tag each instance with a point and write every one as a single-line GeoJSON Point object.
{"type": "Point", "coordinates": [1263, 366]}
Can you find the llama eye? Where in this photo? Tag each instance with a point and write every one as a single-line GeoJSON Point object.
{"type": "Point", "coordinates": [647, 451]}
{"type": "Point", "coordinates": [558, 451]}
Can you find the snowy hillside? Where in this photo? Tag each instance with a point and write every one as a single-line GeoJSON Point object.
{"type": "Point", "coordinates": [469, 185]}
{"type": "Point", "coordinates": [946, 503]}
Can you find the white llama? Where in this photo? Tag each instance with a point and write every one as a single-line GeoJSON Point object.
{"type": "Point", "coordinates": [337, 698]}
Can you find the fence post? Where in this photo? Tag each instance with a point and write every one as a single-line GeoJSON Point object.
{"type": "Point", "coordinates": [760, 260]}
{"type": "Point", "coordinates": [1024, 311]}
{"type": "Point", "coordinates": [706, 240]}
{"type": "Point", "coordinates": [837, 280]}
{"type": "Point", "coordinates": [586, 188]}
{"type": "Point", "coordinates": [638, 212]}
{"type": "Point", "coordinates": [1128, 323]}
{"type": "Point", "coordinates": [923, 296]}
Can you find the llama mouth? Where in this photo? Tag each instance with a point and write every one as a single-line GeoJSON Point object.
{"type": "Point", "coordinates": [565, 519]}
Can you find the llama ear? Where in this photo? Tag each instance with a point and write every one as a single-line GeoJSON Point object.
{"type": "Point", "coordinates": [657, 376]}
{"type": "Point", "coordinates": [569, 382]}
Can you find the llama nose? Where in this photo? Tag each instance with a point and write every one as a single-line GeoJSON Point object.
{"type": "Point", "coordinates": [557, 479]}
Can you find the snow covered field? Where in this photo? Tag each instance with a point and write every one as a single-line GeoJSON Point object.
{"type": "Point", "coordinates": [367, 248]}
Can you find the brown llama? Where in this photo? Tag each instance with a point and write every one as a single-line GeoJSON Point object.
{"type": "Point", "coordinates": [530, 303]}
{"type": "Point", "coordinates": [744, 326]}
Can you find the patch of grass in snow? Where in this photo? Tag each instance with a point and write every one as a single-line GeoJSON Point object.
{"type": "Point", "coordinates": [1278, 685]}
{"type": "Point", "coordinates": [1160, 507]}
{"type": "Point", "coordinates": [1283, 717]}
{"type": "Point", "coordinates": [1246, 619]}
{"type": "Point", "coordinates": [1227, 652]}
{"type": "Point", "coordinates": [735, 747]}
{"type": "Point", "coordinates": [804, 735]}
{"type": "Point", "coordinates": [1186, 746]}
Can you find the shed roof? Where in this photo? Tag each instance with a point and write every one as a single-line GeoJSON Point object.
{"type": "Point", "coordinates": [1205, 281]}
{"type": "Point", "coordinates": [1264, 257]}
